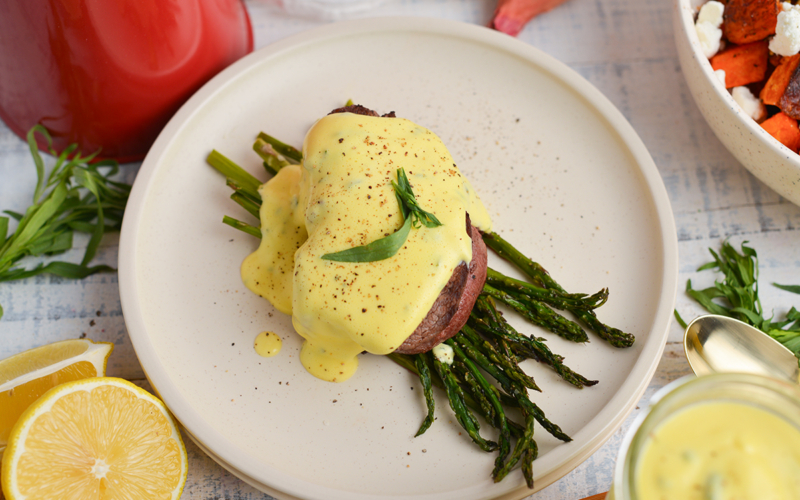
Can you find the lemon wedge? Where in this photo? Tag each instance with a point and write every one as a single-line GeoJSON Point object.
{"type": "Point", "coordinates": [99, 438]}
{"type": "Point", "coordinates": [27, 375]}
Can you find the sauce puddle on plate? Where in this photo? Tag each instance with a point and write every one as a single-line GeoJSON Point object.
{"type": "Point", "coordinates": [267, 344]}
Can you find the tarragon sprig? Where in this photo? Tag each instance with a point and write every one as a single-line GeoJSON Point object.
{"type": "Point", "coordinates": [388, 246]}
{"type": "Point", "coordinates": [736, 295]}
{"type": "Point", "coordinates": [76, 195]}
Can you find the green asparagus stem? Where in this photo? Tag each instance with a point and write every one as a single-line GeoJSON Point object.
{"type": "Point", "coordinates": [245, 202]}
{"type": "Point", "coordinates": [542, 278]}
{"type": "Point", "coordinates": [242, 226]}
{"type": "Point", "coordinates": [409, 362]}
{"type": "Point", "coordinates": [516, 392]}
{"type": "Point", "coordinates": [427, 386]}
{"type": "Point", "coordinates": [272, 163]}
{"type": "Point", "coordinates": [522, 448]}
{"type": "Point", "coordinates": [539, 314]}
{"type": "Point", "coordinates": [555, 298]}
{"type": "Point", "coordinates": [474, 387]}
{"type": "Point", "coordinates": [508, 365]}
{"type": "Point", "coordinates": [521, 345]}
{"type": "Point", "coordinates": [456, 397]}
{"type": "Point", "coordinates": [292, 154]}
{"type": "Point", "coordinates": [235, 173]}
{"type": "Point", "coordinates": [500, 417]}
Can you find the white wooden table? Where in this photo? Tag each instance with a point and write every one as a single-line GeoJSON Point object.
{"type": "Point", "coordinates": [623, 47]}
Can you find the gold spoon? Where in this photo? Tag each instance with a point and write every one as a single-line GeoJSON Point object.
{"type": "Point", "coordinates": [720, 344]}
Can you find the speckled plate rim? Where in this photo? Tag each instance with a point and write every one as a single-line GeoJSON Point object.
{"type": "Point", "coordinates": [605, 423]}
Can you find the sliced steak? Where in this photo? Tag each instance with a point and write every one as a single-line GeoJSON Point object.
{"type": "Point", "coordinates": [451, 309]}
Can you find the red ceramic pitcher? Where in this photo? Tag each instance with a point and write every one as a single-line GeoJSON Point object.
{"type": "Point", "coordinates": [109, 74]}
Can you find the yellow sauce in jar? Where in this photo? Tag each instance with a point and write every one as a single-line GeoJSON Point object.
{"type": "Point", "coordinates": [720, 451]}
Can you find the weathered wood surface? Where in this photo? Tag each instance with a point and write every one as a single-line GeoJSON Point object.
{"type": "Point", "coordinates": [626, 49]}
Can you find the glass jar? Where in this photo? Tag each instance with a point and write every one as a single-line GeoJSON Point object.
{"type": "Point", "coordinates": [776, 397]}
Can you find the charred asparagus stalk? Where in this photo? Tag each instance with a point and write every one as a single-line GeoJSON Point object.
{"type": "Point", "coordinates": [542, 278]}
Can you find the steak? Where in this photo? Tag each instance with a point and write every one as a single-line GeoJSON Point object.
{"type": "Point", "coordinates": [361, 110]}
{"type": "Point", "coordinates": [451, 309]}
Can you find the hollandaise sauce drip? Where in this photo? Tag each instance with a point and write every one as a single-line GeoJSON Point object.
{"type": "Point", "coordinates": [267, 344]}
{"type": "Point", "coordinates": [342, 197]}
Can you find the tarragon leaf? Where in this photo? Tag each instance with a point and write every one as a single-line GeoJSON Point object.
{"type": "Point", "coordinates": [59, 208]}
{"type": "Point", "coordinates": [388, 246]}
{"type": "Point", "coordinates": [739, 291]}
{"type": "Point", "coordinates": [380, 249]}
{"type": "Point", "coordinates": [788, 288]}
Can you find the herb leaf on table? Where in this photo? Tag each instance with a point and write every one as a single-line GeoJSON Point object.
{"type": "Point", "coordinates": [77, 195]}
{"type": "Point", "coordinates": [736, 295]}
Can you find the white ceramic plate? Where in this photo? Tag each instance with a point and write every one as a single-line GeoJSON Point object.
{"type": "Point", "coordinates": [563, 174]}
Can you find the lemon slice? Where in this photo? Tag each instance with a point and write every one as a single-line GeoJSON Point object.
{"type": "Point", "coordinates": [97, 438]}
{"type": "Point", "coordinates": [27, 375]}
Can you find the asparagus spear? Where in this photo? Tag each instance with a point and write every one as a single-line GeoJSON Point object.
{"type": "Point", "coordinates": [290, 153]}
{"type": "Point", "coordinates": [464, 416]}
{"type": "Point", "coordinates": [542, 278]}
{"type": "Point", "coordinates": [555, 298]}
{"type": "Point", "coordinates": [272, 162]}
{"type": "Point", "coordinates": [489, 320]}
{"type": "Point", "coordinates": [539, 314]}
{"type": "Point", "coordinates": [427, 386]}
{"type": "Point", "coordinates": [500, 417]}
{"type": "Point", "coordinates": [515, 391]}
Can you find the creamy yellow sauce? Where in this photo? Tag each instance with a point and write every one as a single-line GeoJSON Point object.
{"type": "Point", "coordinates": [341, 198]}
{"type": "Point", "coordinates": [721, 451]}
{"type": "Point", "coordinates": [267, 344]}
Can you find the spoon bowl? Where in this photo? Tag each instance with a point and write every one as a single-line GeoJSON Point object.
{"type": "Point", "coordinates": [720, 344]}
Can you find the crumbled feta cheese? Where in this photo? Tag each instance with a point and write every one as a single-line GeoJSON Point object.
{"type": "Point", "coordinates": [709, 36]}
{"type": "Point", "coordinates": [711, 12]}
{"type": "Point", "coordinates": [749, 103]}
{"type": "Point", "coordinates": [786, 41]}
{"type": "Point", "coordinates": [444, 353]}
{"type": "Point", "coordinates": [720, 74]}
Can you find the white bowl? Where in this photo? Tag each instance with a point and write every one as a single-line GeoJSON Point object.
{"type": "Point", "coordinates": [770, 161]}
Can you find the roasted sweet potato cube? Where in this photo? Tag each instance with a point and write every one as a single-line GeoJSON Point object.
{"type": "Point", "coordinates": [785, 129]}
{"type": "Point", "coordinates": [746, 21]}
{"type": "Point", "coordinates": [743, 64]}
{"type": "Point", "coordinates": [779, 80]}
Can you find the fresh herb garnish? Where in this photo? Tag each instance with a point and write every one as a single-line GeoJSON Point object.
{"type": "Point", "coordinates": [387, 246]}
{"type": "Point", "coordinates": [75, 196]}
{"type": "Point", "coordinates": [736, 296]}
